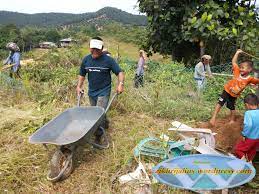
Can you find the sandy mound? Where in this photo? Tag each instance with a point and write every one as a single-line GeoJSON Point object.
{"type": "Point", "coordinates": [227, 134]}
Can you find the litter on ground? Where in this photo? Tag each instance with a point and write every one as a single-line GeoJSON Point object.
{"type": "Point", "coordinates": [199, 141]}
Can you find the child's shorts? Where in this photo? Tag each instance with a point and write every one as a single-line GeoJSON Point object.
{"type": "Point", "coordinates": [226, 98]}
{"type": "Point", "coordinates": [246, 148]}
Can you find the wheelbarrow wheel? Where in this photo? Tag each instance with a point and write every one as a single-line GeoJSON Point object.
{"type": "Point", "coordinates": [61, 165]}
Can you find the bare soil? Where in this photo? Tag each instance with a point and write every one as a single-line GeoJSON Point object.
{"type": "Point", "coordinates": [228, 134]}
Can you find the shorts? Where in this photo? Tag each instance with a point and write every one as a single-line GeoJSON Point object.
{"type": "Point", "coordinates": [226, 98]}
{"type": "Point", "coordinates": [246, 148]}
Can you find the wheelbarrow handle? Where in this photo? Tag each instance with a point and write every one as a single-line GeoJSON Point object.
{"type": "Point", "coordinates": [110, 102]}
{"type": "Point", "coordinates": [79, 97]}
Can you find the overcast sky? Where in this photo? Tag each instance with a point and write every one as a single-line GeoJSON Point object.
{"type": "Point", "coordinates": [66, 6]}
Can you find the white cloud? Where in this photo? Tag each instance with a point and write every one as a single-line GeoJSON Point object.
{"type": "Point", "coordinates": [66, 6]}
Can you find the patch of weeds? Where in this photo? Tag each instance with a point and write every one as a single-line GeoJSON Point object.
{"type": "Point", "coordinates": [32, 126]}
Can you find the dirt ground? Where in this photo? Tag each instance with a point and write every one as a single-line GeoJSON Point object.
{"type": "Point", "coordinates": [227, 134]}
{"type": "Point", "coordinates": [226, 138]}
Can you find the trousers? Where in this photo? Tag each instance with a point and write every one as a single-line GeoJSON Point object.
{"type": "Point", "coordinates": [101, 101]}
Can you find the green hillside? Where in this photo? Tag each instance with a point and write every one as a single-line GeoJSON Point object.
{"type": "Point", "coordinates": [61, 19]}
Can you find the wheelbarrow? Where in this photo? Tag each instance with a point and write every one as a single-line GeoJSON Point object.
{"type": "Point", "coordinates": [75, 126]}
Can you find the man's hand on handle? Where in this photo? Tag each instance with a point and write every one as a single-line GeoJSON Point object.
{"type": "Point", "coordinates": [79, 87]}
{"type": "Point", "coordinates": [79, 91]}
{"type": "Point", "coordinates": [120, 87]}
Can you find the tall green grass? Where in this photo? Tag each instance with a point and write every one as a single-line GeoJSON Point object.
{"type": "Point", "coordinates": [169, 90]}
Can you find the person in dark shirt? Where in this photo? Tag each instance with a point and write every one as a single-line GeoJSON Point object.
{"type": "Point", "coordinates": [98, 66]}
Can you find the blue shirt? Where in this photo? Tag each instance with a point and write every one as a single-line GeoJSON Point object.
{"type": "Point", "coordinates": [99, 74]}
{"type": "Point", "coordinates": [14, 58]}
{"type": "Point", "coordinates": [251, 124]}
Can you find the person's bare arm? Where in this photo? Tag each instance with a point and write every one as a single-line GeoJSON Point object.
{"type": "Point", "coordinates": [234, 59]}
{"type": "Point", "coordinates": [80, 83]}
{"type": "Point", "coordinates": [120, 87]}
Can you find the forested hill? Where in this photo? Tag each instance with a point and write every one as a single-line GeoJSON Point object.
{"type": "Point", "coordinates": [61, 19]}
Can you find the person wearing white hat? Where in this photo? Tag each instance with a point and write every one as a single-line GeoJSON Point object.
{"type": "Point", "coordinates": [98, 67]}
{"type": "Point", "coordinates": [13, 59]}
{"type": "Point", "coordinates": [202, 69]}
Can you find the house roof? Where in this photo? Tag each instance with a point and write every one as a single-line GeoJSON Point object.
{"type": "Point", "coordinates": [66, 40]}
{"type": "Point", "coordinates": [50, 43]}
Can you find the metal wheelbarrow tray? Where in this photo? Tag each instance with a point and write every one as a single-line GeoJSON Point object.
{"type": "Point", "coordinates": [72, 125]}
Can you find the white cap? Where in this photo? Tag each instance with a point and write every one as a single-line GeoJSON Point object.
{"type": "Point", "coordinates": [98, 44]}
{"type": "Point", "coordinates": [208, 57]}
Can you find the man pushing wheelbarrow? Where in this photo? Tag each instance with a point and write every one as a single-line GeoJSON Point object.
{"type": "Point", "coordinates": [98, 67]}
{"type": "Point", "coordinates": [75, 126]}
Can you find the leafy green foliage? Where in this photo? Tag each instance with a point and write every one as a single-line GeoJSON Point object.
{"type": "Point", "coordinates": [216, 24]}
{"type": "Point", "coordinates": [9, 33]}
{"type": "Point", "coordinates": [27, 38]}
{"type": "Point", "coordinates": [215, 19]}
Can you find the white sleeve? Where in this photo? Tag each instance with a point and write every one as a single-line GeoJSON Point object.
{"type": "Point", "coordinates": [198, 69]}
{"type": "Point", "coordinates": [208, 70]}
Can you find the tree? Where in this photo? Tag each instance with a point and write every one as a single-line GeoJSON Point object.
{"type": "Point", "coordinates": [9, 33]}
{"type": "Point", "coordinates": [52, 35]}
{"type": "Point", "coordinates": [32, 36]}
{"type": "Point", "coordinates": [190, 24]}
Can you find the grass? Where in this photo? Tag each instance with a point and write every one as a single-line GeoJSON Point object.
{"type": "Point", "coordinates": [168, 95]}
{"type": "Point", "coordinates": [126, 50]}
{"type": "Point", "coordinates": [94, 168]}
